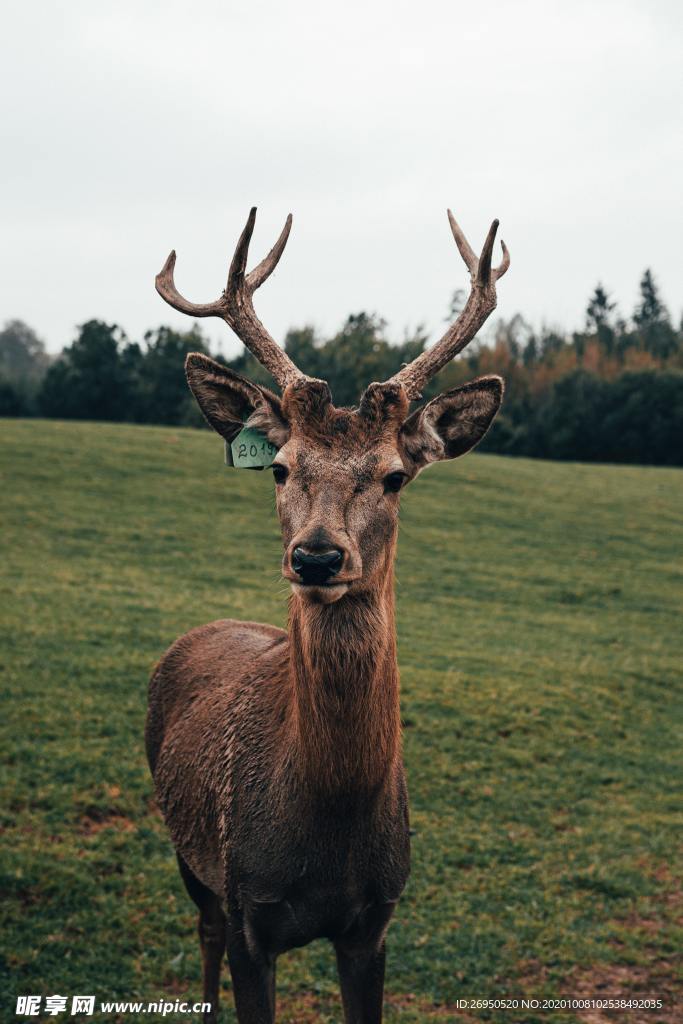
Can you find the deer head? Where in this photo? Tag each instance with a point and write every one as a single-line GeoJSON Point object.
{"type": "Point", "coordinates": [339, 472]}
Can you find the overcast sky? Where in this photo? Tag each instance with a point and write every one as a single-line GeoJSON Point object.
{"type": "Point", "coordinates": [130, 128]}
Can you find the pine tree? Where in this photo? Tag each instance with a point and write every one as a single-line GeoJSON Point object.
{"type": "Point", "coordinates": [598, 315]}
{"type": "Point", "coordinates": [599, 309]}
{"type": "Point", "coordinates": [650, 310]}
{"type": "Point", "coordinates": [651, 318]}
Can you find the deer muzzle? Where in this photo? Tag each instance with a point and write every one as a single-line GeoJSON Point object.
{"type": "Point", "coordinates": [315, 568]}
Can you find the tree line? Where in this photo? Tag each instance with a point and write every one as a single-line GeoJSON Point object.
{"type": "Point", "coordinates": [611, 392]}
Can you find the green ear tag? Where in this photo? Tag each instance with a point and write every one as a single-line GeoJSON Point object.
{"type": "Point", "coordinates": [250, 450]}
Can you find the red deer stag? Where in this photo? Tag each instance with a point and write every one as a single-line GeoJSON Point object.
{"type": "Point", "coordinates": [276, 755]}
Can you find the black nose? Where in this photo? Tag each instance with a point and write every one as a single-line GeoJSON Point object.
{"type": "Point", "coordinates": [317, 567]}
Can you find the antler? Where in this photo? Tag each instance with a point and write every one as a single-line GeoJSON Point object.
{"type": "Point", "coordinates": [235, 305]}
{"type": "Point", "coordinates": [479, 306]}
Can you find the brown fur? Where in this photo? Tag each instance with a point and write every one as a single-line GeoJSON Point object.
{"type": "Point", "coordinates": [276, 755]}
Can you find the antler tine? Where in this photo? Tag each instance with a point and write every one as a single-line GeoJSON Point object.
{"type": "Point", "coordinates": [235, 304]}
{"type": "Point", "coordinates": [466, 251]}
{"type": "Point", "coordinates": [484, 268]}
{"type": "Point", "coordinates": [479, 306]}
{"type": "Point", "coordinates": [262, 272]}
{"type": "Point", "coordinates": [166, 287]}
{"type": "Point", "coordinates": [238, 265]}
{"type": "Point", "coordinates": [504, 263]}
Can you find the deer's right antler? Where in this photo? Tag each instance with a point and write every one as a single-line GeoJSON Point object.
{"type": "Point", "coordinates": [480, 304]}
{"type": "Point", "coordinates": [235, 305]}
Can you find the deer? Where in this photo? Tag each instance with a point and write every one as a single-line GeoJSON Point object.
{"type": "Point", "coordinates": [276, 754]}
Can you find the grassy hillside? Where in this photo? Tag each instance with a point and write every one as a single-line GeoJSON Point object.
{"type": "Point", "coordinates": [540, 644]}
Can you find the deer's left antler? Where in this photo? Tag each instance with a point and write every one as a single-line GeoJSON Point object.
{"type": "Point", "coordinates": [479, 306]}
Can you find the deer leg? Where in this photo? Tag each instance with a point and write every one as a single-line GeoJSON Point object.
{"type": "Point", "coordinates": [361, 976]}
{"type": "Point", "coordinates": [360, 961]}
{"type": "Point", "coordinates": [253, 975]}
{"type": "Point", "coordinates": [212, 941]}
{"type": "Point", "coordinates": [211, 928]}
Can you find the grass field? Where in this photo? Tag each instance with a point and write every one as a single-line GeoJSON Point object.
{"type": "Point", "coordinates": [540, 643]}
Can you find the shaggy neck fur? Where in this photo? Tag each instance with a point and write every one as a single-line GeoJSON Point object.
{"type": "Point", "coordinates": [345, 689]}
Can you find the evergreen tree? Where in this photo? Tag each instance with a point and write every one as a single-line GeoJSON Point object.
{"type": "Point", "coordinates": [598, 316]}
{"type": "Point", "coordinates": [599, 310]}
{"type": "Point", "coordinates": [650, 310]}
{"type": "Point", "coordinates": [651, 318]}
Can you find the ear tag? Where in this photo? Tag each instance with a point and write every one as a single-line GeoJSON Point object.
{"type": "Point", "coordinates": [250, 450]}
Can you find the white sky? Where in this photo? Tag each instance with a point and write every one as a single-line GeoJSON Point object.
{"type": "Point", "coordinates": [130, 128]}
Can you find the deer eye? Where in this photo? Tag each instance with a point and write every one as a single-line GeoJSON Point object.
{"type": "Point", "coordinates": [279, 472]}
{"type": "Point", "coordinates": [393, 482]}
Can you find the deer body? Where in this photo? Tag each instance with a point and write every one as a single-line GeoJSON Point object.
{"type": "Point", "coordinates": [276, 755]}
{"type": "Point", "coordinates": [284, 797]}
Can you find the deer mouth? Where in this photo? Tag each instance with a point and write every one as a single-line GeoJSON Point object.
{"type": "Point", "coordinates": [320, 593]}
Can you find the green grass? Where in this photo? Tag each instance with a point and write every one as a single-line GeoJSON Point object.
{"type": "Point", "coordinates": [540, 644]}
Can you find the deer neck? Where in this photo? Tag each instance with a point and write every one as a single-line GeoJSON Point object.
{"type": "Point", "coordinates": [345, 689]}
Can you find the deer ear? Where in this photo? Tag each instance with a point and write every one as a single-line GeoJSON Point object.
{"type": "Point", "coordinates": [228, 401]}
{"type": "Point", "coordinates": [453, 422]}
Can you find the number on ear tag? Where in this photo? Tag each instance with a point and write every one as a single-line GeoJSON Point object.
{"type": "Point", "coordinates": [250, 450]}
